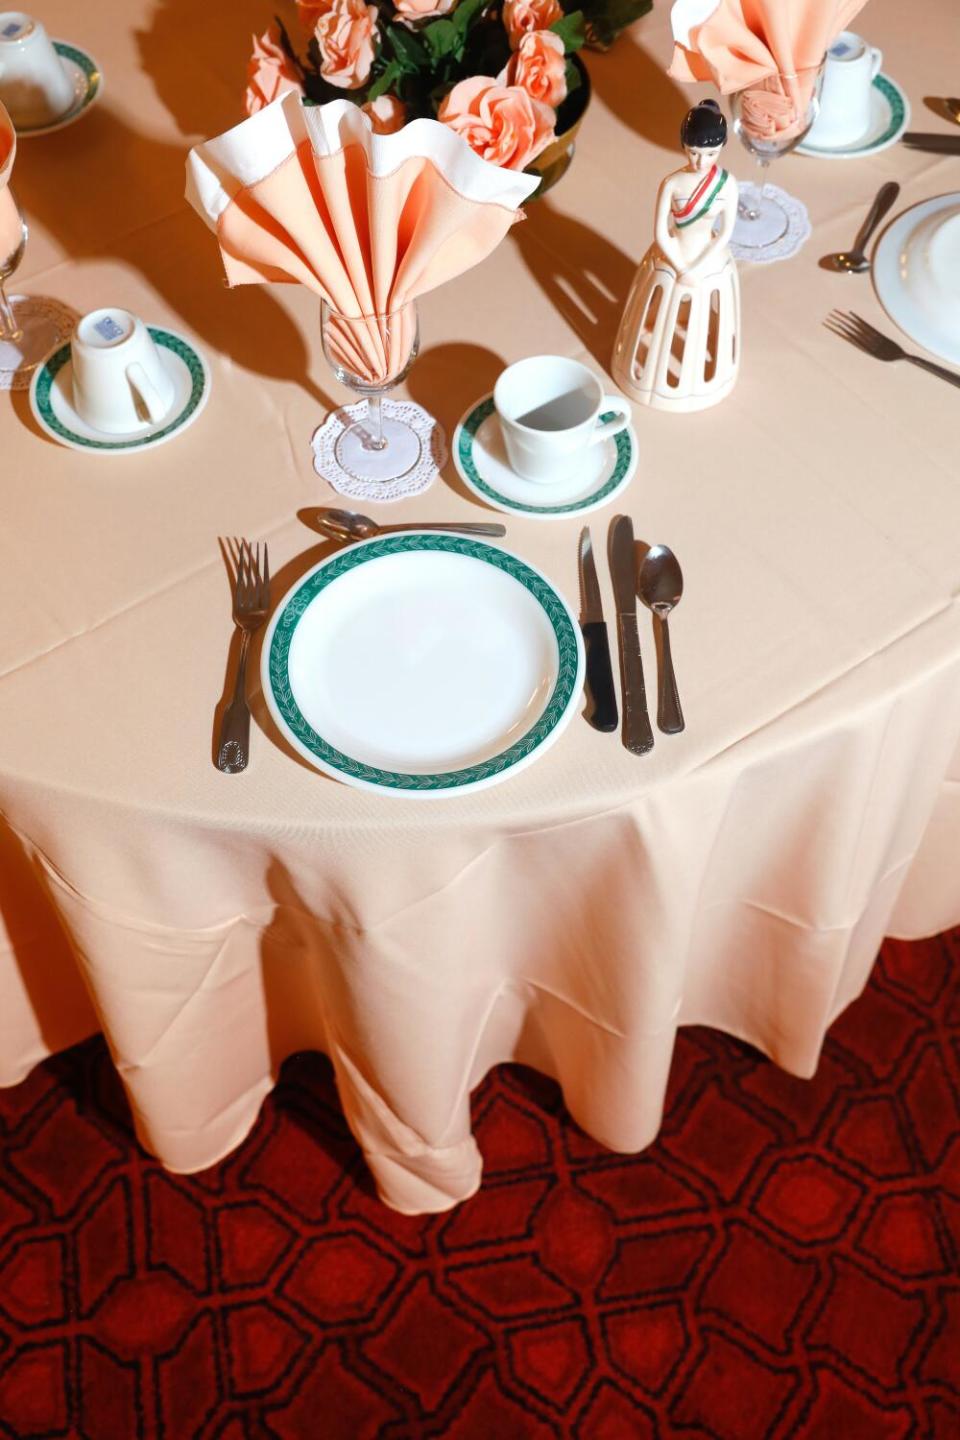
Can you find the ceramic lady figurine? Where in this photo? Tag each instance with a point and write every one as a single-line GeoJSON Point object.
{"type": "Point", "coordinates": [678, 346]}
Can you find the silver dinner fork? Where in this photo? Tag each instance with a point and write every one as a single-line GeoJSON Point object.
{"type": "Point", "coordinates": [851, 327]}
{"type": "Point", "coordinates": [251, 603]}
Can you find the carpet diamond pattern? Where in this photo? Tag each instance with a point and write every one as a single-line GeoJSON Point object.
{"type": "Point", "coordinates": [784, 1262]}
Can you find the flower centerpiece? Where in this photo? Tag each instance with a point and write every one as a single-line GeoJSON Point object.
{"type": "Point", "coordinates": [503, 73]}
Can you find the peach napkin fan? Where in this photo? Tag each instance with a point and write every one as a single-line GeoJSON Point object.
{"type": "Point", "coordinates": [770, 48]}
{"type": "Point", "coordinates": [368, 222]}
{"type": "Point", "coordinates": [10, 225]}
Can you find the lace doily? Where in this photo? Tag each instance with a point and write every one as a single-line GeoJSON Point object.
{"type": "Point", "coordinates": [59, 320]}
{"type": "Point", "coordinates": [787, 244]}
{"type": "Point", "coordinates": [419, 477]}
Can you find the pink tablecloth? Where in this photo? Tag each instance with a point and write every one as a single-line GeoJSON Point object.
{"type": "Point", "coordinates": [741, 876]}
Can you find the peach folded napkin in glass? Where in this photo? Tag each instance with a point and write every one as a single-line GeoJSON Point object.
{"type": "Point", "coordinates": [368, 222]}
{"type": "Point", "coordinates": [769, 48]}
{"type": "Point", "coordinates": [11, 228]}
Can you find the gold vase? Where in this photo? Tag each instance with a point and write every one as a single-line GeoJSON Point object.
{"type": "Point", "coordinates": [554, 162]}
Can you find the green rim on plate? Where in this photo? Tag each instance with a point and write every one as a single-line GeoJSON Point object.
{"type": "Point", "coordinates": [288, 619]}
{"type": "Point", "coordinates": [52, 367]}
{"type": "Point", "coordinates": [898, 112]}
{"type": "Point", "coordinates": [468, 434]}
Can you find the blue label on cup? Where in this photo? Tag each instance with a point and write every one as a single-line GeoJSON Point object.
{"type": "Point", "coordinates": [108, 328]}
{"type": "Point", "coordinates": [14, 28]}
{"type": "Point", "coordinates": [840, 49]}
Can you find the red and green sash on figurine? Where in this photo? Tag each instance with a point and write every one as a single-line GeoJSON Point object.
{"type": "Point", "coordinates": [685, 212]}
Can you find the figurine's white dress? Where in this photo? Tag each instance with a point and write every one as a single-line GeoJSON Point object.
{"type": "Point", "coordinates": [679, 339]}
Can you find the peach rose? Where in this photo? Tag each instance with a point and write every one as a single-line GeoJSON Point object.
{"type": "Point", "coordinates": [502, 123]}
{"type": "Point", "coordinates": [310, 11]}
{"type": "Point", "coordinates": [347, 37]}
{"type": "Point", "coordinates": [422, 9]}
{"type": "Point", "coordinates": [522, 17]}
{"type": "Point", "coordinates": [269, 72]}
{"type": "Point", "coordinates": [387, 114]}
{"type": "Point", "coordinates": [539, 67]}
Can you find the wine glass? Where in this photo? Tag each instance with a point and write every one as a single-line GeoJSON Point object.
{"type": "Point", "coordinates": [370, 354]}
{"type": "Point", "coordinates": [771, 118]}
{"type": "Point", "coordinates": [29, 326]}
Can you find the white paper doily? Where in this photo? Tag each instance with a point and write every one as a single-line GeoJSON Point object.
{"type": "Point", "coordinates": [793, 238]}
{"type": "Point", "coordinates": [420, 476]}
{"type": "Point", "coordinates": [58, 319]}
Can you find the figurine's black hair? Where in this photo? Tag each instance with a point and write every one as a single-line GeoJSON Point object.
{"type": "Point", "coordinates": [704, 126]}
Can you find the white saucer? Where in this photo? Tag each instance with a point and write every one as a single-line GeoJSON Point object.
{"type": "Point", "coordinates": [51, 399]}
{"type": "Point", "coordinates": [482, 464]}
{"type": "Point", "coordinates": [422, 664]}
{"type": "Point", "coordinates": [889, 117]}
{"type": "Point", "coordinates": [87, 86]}
{"type": "Point", "coordinates": [908, 273]}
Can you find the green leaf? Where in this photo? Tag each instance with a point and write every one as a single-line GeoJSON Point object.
{"type": "Point", "coordinates": [465, 14]}
{"type": "Point", "coordinates": [442, 38]}
{"type": "Point", "coordinates": [571, 30]}
{"type": "Point", "coordinates": [607, 18]}
{"type": "Point", "coordinates": [407, 48]}
{"type": "Point", "coordinates": [573, 77]}
{"type": "Point", "coordinates": [383, 82]}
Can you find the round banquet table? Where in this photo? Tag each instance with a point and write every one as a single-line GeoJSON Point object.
{"type": "Point", "coordinates": [740, 876]}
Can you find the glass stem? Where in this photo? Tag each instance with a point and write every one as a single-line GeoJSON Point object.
{"type": "Point", "coordinates": [375, 412]}
{"type": "Point", "coordinates": [764, 164]}
{"type": "Point", "coordinates": [9, 329]}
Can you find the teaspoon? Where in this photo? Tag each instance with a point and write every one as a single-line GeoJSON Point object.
{"type": "Point", "coordinates": [348, 525]}
{"type": "Point", "coordinates": [660, 584]}
{"type": "Point", "coordinates": [854, 260]}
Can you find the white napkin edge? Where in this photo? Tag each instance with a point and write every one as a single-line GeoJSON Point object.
{"type": "Point", "coordinates": [686, 15]}
{"type": "Point", "coordinates": [217, 169]}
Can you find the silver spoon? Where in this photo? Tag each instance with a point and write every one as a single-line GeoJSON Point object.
{"type": "Point", "coordinates": [660, 584]}
{"type": "Point", "coordinates": [348, 525]}
{"type": "Point", "coordinates": [854, 261]}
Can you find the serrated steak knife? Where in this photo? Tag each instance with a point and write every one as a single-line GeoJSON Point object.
{"type": "Point", "coordinates": [637, 733]}
{"type": "Point", "coordinates": [601, 695]}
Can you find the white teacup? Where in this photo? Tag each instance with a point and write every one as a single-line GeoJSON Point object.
{"type": "Point", "coordinates": [549, 411]}
{"type": "Point", "coordinates": [844, 115]}
{"type": "Point", "coordinates": [34, 83]}
{"type": "Point", "coordinates": [120, 384]}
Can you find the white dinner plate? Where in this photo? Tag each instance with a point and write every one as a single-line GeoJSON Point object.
{"type": "Point", "coordinates": [918, 282]}
{"type": "Point", "coordinates": [51, 399]}
{"type": "Point", "coordinates": [889, 117]}
{"type": "Point", "coordinates": [481, 460]}
{"type": "Point", "coordinates": [422, 664]}
{"type": "Point", "coordinates": [87, 81]}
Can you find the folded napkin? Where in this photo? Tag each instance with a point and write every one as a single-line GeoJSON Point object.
{"type": "Point", "coordinates": [368, 222]}
{"type": "Point", "coordinates": [768, 48]}
{"type": "Point", "coordinates": [11, 230]}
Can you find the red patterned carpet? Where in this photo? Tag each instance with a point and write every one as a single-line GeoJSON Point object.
{"type": "Point", "coordinates": [783, 1262]}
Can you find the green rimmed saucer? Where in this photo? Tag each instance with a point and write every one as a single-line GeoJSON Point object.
{"type": "Point", "coordinates": [889, 117]}
{"type": "Point", "coordinates": [422, 664]}
{"type": "Point", "coordinates": [51, 399]}
{"type": "Point", "coordinates": [87, 82]}
{"type": "Point", "coordinates": [482, 464]}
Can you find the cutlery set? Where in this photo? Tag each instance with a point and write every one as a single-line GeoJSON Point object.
{"type": "Point", "coordinates": [658, 582]}
{"type": "Point", "coordinates": [852, 327]}
{"type": "Point", "coordinates": [660, 585]}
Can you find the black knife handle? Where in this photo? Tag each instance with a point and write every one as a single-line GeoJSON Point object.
{"type": "Point", "coordinates": [637, 733]}
{"type": "Point", "coordinates": [602, 714]}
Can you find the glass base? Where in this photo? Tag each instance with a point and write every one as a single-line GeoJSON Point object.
{"type": "Point", "coordinates": [357, 455]}
{"type": "Point", "coordinates": [766, 226]}
{"type": "Point", "coordinates": [41, 327]}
